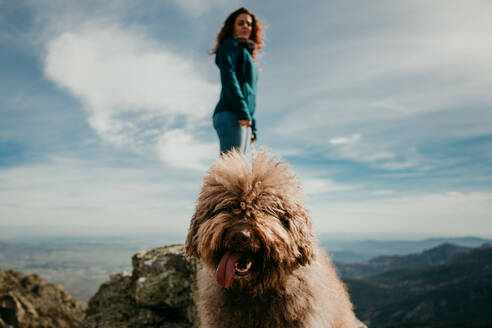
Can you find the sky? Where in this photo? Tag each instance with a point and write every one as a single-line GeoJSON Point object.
{"type": "Point", "coordinates": [383, 109]}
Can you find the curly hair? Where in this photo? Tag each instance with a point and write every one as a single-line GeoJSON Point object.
{"type": "Point", "coordinates": [227, 31]}
{"type": "Point", "coordinates": [262, 266]}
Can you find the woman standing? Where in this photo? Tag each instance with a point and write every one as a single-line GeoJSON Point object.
{"type": "Point", "coordinates": [238, 43]}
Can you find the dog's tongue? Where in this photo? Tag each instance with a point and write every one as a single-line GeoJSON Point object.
{"type": "Point", "coordinates": [226, 269]}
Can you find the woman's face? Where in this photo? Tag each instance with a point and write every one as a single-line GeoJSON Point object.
{"type": "Point", "coordinates": [243, 26]}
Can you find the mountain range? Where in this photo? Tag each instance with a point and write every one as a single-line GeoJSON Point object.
{"type": "Point", "coordinates": [352, 251]}
{"type": "Point", "coordinates": [454, 293]}
{"type": "Point", "coordinates": [434, 256]}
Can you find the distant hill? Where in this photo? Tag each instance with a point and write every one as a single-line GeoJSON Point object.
{"type": "Point", "coordinates": [434, 256]}
{"type": "Point", "coordinates": [357, 251]}
{"type": "Point", "coordinates": [79, 267]}
{"type": "Point", "coordinates": [458, 291]}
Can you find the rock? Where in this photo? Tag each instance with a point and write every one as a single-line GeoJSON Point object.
{"type": "Point", "coordinates": [163, 278]}
{"type": "Point", "coordinates": [112, 303]}
{"type": "Point", "coordinates": [158, 293]}
{"type": "Point", "coordinates": [26, 301]}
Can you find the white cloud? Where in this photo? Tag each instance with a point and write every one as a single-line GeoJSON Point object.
{"type": "Point", "coordinates": [445, 214]}
{"type": "Point", "coordinates": [345, 140]}
{"type": "Point", "coordinates": [368, 152]}
{"type": "Point", "coordinates": [397, 165]}
{"type": "Point", "coordinates": [179, 149]}
{"type": "Point", "coordinates": [375, 156]}
{"type": "Point", "coordinates": [383, 192]}
{"type": "Point", "coordinates": [64, 191]}
{"type": "Point", "coordinates": [133, 88]}
{"type": "Point", "coordinates": [320, 186]}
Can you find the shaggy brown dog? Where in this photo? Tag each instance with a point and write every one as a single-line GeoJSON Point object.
{"type": "Point", "coordinates": [262, 268]}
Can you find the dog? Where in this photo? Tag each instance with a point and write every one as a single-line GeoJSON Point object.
{"type": "Point", "coordinates": [262, 267]}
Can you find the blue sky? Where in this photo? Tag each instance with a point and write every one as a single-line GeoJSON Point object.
{"type": "Point", "coordinates": [383, 109]}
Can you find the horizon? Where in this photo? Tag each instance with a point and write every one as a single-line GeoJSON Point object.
{"type": "Point", "coordinates": [46, 233]}
{"type": "Point", "coordinates": [383, 110]}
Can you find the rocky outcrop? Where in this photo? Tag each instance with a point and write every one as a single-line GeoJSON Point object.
{"type": "Point", "coordinates": [26, 301]}
{"type": "Point", "coordinates": [158, 293]}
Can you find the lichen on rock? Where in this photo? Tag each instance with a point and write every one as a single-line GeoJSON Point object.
{"type": "Point", "coordinates": [158, 293]}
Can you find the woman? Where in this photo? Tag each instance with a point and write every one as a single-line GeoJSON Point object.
{"type": "Point", "coordinates": [238, 43]}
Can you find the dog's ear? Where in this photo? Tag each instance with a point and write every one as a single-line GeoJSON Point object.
{"type": "Point", "coordinates": [191, 245]}
{"type": "Point", "coordinates": [305, 237]}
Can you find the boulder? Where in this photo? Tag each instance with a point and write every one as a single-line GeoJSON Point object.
{"type": "Point", "coordinates": [158, 293]}
{"type": "Point", "coordinates": [27, 301]}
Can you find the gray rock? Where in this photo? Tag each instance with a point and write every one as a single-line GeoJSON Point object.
{"type": "Point", "coordinates": [163, 277]}
{"type": "Point", "coordinates": [158, 293]}
{"type": "Point", "coordinates": [112, 304]}
{"type": "Point", "coordinates": [27, 301]}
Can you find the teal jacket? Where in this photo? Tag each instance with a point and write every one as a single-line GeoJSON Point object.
{"type": "Point", "coordinates": [239, 79]}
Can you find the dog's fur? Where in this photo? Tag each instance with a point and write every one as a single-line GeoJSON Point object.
{"type": "Point", "coordinates": [292, 282]}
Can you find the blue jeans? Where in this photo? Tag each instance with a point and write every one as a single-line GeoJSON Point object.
{"type": "Point", "coordinates": [231, 134]}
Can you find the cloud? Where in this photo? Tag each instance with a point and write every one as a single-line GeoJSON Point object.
{"type": "Point", "coordinates": [134, 89]}
{"type": "Point", "coordinates": [365, 151]}
{"type": "Point", "coordinates": [179, 149]}
{"type": "Point", "coordinates": [383, 192]}
{"type": "Point", "coordinates": [322, 186]}
{"type": "Point", "coordinates": [345, 140]}
{"type": "Point", "coordinates": [397, 165]}
{"type": "Point", "coordinates": [439, 214]}
{"type": "Point", "coordinates": [65, 191]}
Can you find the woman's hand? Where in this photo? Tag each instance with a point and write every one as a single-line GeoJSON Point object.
{"type": "Point", "coordinates": [244, 122]}
{"type": "Point", "coordinates": [247, 123]}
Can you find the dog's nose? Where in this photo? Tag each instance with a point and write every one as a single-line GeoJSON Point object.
{"type": "Point", "coordinates": [240, 237]}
